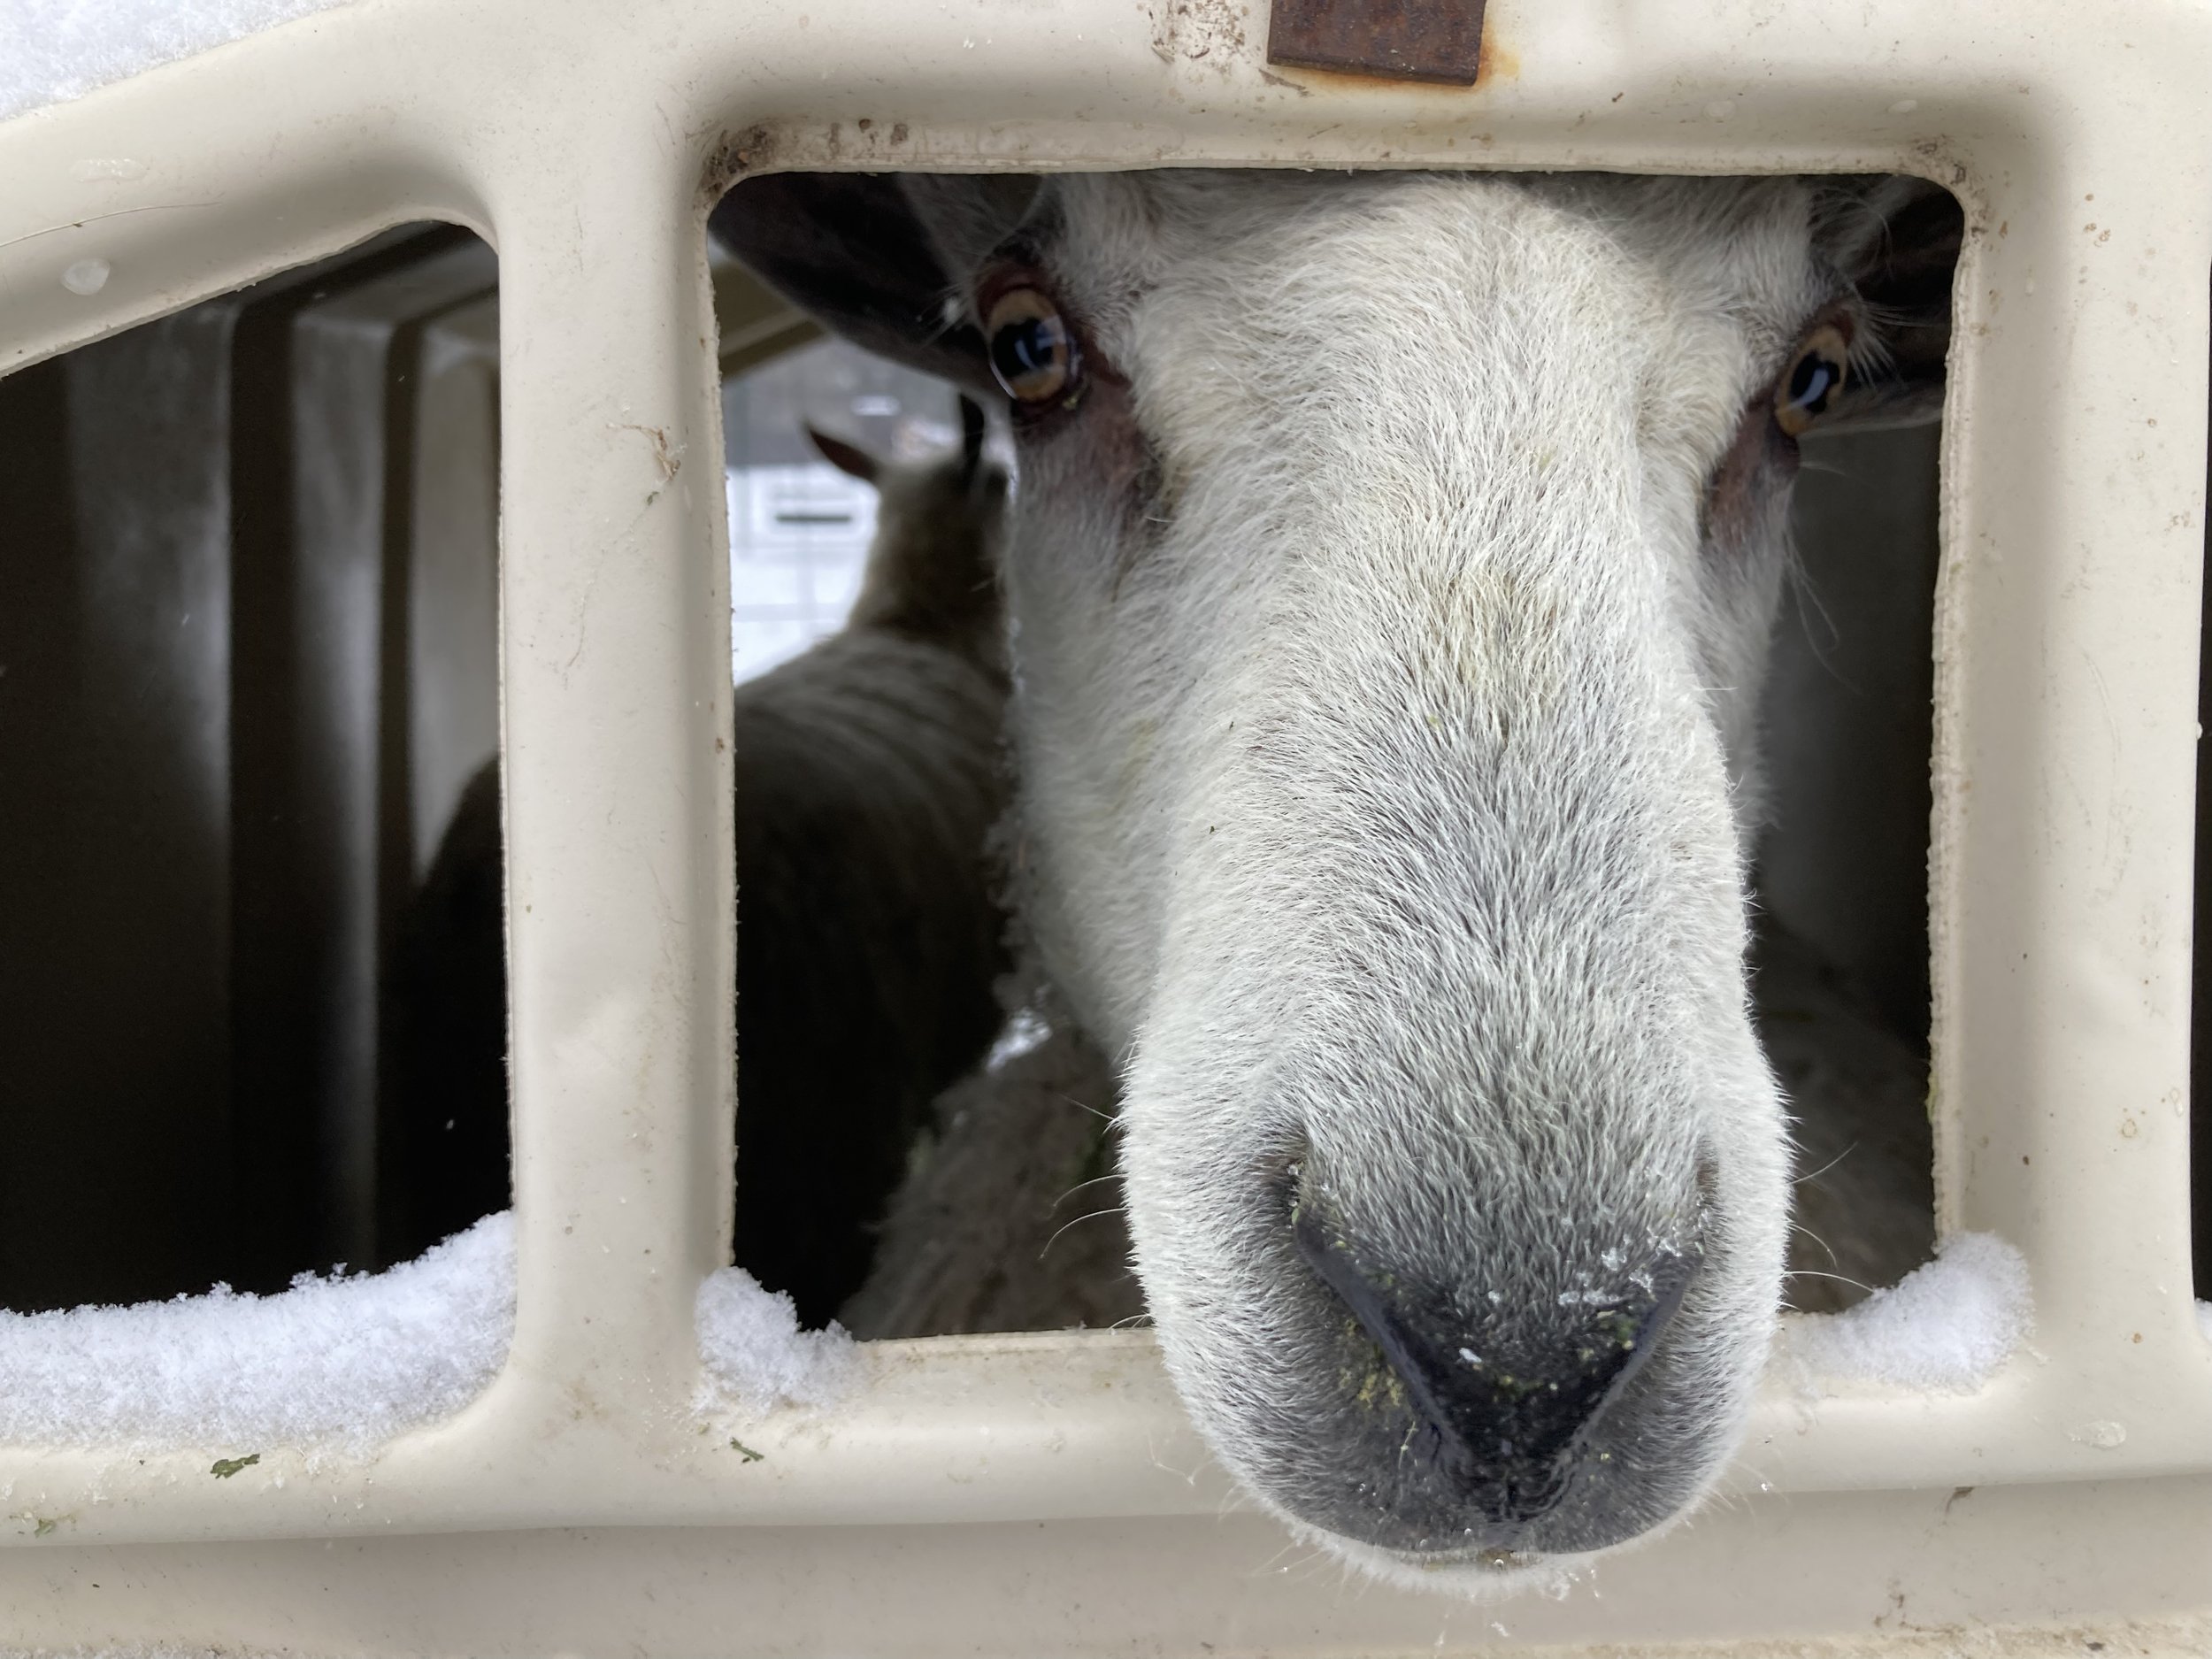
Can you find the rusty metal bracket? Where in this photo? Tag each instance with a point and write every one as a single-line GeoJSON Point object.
{"type": "Point", "coordinates": [1407, 40]}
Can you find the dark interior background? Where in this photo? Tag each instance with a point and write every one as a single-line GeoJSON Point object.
{"type": "Point", "coordinates": [248, 649]}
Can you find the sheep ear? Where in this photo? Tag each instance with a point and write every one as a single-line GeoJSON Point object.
{"type": "Point", "coordinates": [849, 458]}
{"type": "Point", "coordinates": [973, 428]}
{"type": "Point", "coordinates": [969, 214]}
{"type": "Point", "coordinates": [855, 252]}
{"type": "Point", "coordinates": [1897, 240]}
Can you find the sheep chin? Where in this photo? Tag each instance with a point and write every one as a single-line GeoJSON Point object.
{"type": "Point", "coordinates": [1481, 1576]}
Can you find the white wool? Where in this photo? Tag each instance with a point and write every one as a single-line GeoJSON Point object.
{"type": "Point", "coordinates": [337, 1362]}
{"type": "Point", "coordinates": [1947, 1327]}
{"type": "Point", "coordinates": [754, 1354]}
{"type": "Point", "coordinates": [53, 50]}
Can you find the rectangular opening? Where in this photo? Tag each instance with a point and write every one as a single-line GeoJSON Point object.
{"type": "Point", "coordinates": [1009, 1216]}
{"type": "Point", "coordinates": [248, 649]}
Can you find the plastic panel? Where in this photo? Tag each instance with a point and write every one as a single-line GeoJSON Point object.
{"type": "Point", "coordinates": [587, 149]}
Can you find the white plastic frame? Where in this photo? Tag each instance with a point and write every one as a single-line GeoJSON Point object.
{"type": "Point", "coordinates": [586, 143]}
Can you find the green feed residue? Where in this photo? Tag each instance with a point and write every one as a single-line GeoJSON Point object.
{"type": "Point", "coordinates": [226, 1467]}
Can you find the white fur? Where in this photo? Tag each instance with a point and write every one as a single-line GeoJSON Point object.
{"type": "Point", "coordinates": [1386, 750]}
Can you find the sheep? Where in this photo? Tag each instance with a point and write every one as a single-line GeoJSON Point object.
{"type": "Point", "coordinates": [868, 777]}
{"type": "Point", "coordinates": [1010, 1218]}
{"type": "Point", "coordinates": [1389, 583]}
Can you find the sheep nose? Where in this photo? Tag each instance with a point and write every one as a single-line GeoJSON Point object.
{"type": "Point", "coordinates": [1501, 1403]}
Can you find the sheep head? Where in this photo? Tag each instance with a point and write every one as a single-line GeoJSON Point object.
{"type": "Point", "coordinates": [1392, 570]}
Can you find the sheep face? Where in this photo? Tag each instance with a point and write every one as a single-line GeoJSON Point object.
{"type": "Point", "coordinates": [1391, 574]}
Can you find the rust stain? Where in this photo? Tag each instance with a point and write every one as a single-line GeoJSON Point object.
{"type": "Point", "coordinates": [1435, 41]}
{"type": "Point", "coordinates": [1498, 61]}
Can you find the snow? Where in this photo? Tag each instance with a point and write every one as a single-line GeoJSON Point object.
{"type": "Point", "coordinates": [53, 50]}
{"type": "Point", "coordinates": [343, 1363]}
{"type": "Point", "coordinates": [754, 1354]}
{"type": "Point", "coordinates": [1944, 1327]}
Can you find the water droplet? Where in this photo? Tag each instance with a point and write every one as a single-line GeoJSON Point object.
{"type": "Point", "coordinates": [1720, 109]}
{"type": "Point", "coordinates": [2104, 1434]}
{"type": "Point", "coordinates": [87, 276]}
{"type": "Point", "coordinates": [1904, 106]}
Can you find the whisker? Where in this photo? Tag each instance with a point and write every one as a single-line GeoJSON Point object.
{"type": "Point", "coordinates": [1809, 604]}
{"type": "Point", "coordinates": [1833, 1259]}
{"type": "Point", "coordinates": [1070, 1099]}
{"type": "Point", "coordinates": [1079, 1186]}
{"type": "Point", "coordinates": [1830, 1164]}
{"type": "Point", "coordinates": [1841, 1279]}
{"type": "Point", "coordinates": [1112, 1209]}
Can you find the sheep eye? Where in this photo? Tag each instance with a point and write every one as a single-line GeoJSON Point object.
{"type": "Point", "coordinates": [1810, 384]}
{"type": "Point", "coordinates": [1032, 353]}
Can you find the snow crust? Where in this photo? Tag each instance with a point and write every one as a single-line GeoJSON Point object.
{"type": "Point", "coordinates": [1945, 1328]}
{"type": "Point", "coordinates": [755, 1355]}
{"type": "Point", "coordinates": [53, 50]}
{"type": "Point", "coordinates": [343, 1363]}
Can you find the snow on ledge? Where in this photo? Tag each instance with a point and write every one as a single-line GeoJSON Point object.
{"type": "Point", "coordinates": [754, 1354]}
{"type": "Point", "coordinates": [54, 50]}
{"type": "Point", "coordinates": [1945, 1328]}
{"type": "Point", "coordinates": [342, 1363]}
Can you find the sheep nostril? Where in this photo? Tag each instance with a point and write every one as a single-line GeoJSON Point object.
{"type": "Point", "coordinates": [1502, 1401]}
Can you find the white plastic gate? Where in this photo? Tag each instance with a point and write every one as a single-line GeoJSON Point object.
{"type": "Point", "coordinates": [1043, 1494]}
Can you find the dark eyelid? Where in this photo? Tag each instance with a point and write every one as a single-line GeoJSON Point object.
{"type": "Point", "coordinates": [1013, 265]}
{"type": "Point", "coordinates": [1842, 314]}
